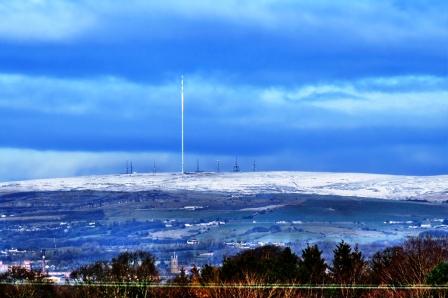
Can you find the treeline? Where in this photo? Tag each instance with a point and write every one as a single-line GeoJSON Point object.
{"type": "Point", "coordinates": [268, 271]}
{"type": "Point", "coordinates": [414, 262]}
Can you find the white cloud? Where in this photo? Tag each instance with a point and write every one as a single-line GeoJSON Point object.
{"type": "Point", "coordinates": [371, 21]}
{"type": "Point", "coordinates": [419, 101]}
{"type": "Point", "coordinates": [48, 20]}
{"type": "Point", "coordinates": [386, 99]}
{"type": "Point", "coordinates": [78, 96]}
{"type": "Point", "coordinates": [31, 164]}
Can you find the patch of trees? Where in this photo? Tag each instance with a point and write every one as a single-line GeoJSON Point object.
{"type": "Point", "coordinates": [410, 263]}
{"type": "Point", "coordinates": [23, 282]}
{"type": "Point", "coordinates": [128, 275]}
{"type": "Point", "coordinates": [417, 261]}
{"type": "Point", "coordinates": [133, 274]}
{"type": "Point", "coordinates": [19, 274]}
{"type": "Point", "coordinates": [127, 267]}
{"type": "Point", "coordinates": [272, 264]}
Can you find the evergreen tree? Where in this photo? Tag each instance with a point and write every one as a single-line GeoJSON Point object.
{"type": "Point", "coordinates": [312, 267]}
{"type": "Point", "coordinates": [349, 267]}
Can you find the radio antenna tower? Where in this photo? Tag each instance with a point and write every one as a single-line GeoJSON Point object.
{"type": "Point", "coordinates": [254, 167]}
{"type": "Point", "coordinates": [236, 167]}
{"type": "Point", "coordinates": [182, 99]}
{"type": "Point", "coordinates": [154, 168]}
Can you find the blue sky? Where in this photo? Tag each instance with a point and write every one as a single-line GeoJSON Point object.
{"type": "Point", "coordinates": [357, 86]}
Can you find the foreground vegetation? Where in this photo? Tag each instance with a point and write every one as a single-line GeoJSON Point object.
{"type": "Point", "coordinates": [418, 268]}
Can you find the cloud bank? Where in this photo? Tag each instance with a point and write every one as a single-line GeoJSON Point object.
{"type": "Point", "coordinates": [294, 84]}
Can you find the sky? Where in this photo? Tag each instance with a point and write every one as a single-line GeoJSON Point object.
{"type": "Point", "coordinates": [344, 86]}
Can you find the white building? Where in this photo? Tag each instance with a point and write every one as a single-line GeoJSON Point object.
{"type": "Point", "coordinates": [3, 267]}
{"type": "Point", "coordinates": [174, 264]}
{"type": "Point", "coordinates": [192, 242]}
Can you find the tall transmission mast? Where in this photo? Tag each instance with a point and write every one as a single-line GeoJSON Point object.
{"type": "Point", "coordinates": [182, 98]}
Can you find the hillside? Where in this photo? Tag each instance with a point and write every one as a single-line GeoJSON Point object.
{"type": "Point", "coordinates": [430, 188]}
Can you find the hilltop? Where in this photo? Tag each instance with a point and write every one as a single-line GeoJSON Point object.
{"type": "Point", "coordinates": [396, 187]}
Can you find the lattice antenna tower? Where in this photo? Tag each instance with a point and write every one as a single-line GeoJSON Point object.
{"type": "Point", "coordinates": [236, 167]}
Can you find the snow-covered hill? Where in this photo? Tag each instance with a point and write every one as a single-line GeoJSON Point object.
{"type": "Point", "coordinates": [431, 188]}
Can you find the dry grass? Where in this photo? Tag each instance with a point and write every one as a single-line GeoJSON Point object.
{"type": "Point", "coordinates": [250, 288]}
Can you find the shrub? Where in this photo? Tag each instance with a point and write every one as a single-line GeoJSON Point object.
{"type": "Point", "coordinates": [439, 275]}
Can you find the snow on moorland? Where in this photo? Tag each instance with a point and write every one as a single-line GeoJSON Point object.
{"type": "Point", "coordinates": [431, 188]}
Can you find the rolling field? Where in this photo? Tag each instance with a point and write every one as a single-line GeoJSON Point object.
{"type": "Point", "coordinates": [79, 226]}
